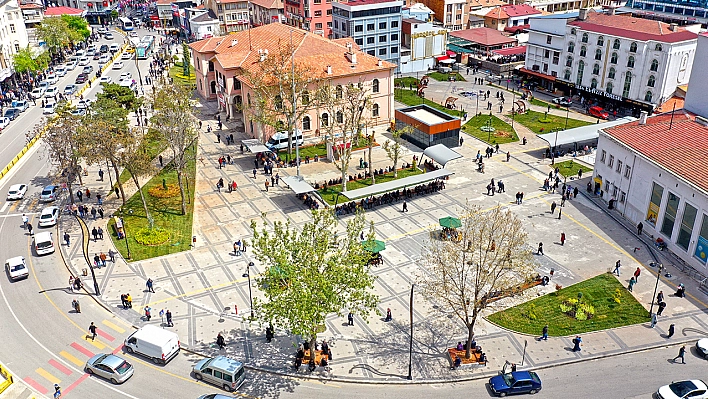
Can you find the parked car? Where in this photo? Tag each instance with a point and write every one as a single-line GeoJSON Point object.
{"type": "Point", "coordinates": [118, 65]}
{"type": "Point", "coordinates": [16, 268]}
{"type": "Point", "coordinates": [494, 78]}
{"type": "Point", "coordinates": [69, 90]}
{"type": "Point", "coordinates": [49, 109]}
{"type": "Point", "coordinates": [693, 389]}
{"type": "Point", "coordinates": [105, 80]}
{"type": "Point", "coordinates": [78, 112]}
{"type": "Point", "coordinates": [16, 192]}
{"type": "Point", "coordinates": [564, 101]}
{"type": "Point", "coordinates": [12, 113]}
{"type": "Point", "coordinates": [702, 347]}
{"type": "Point", "coordinates": [82, 78]}
{"type": "Point", "coordinates": [22, 105]}
{"type": "Point", "coordinates": [38, 92]}
{"type": "Point", "coordinates": [49, 194]}
{"type": "Point", "coordinates": [111, 367]}
{"type": "Point", "coordinates": [516, 382]}
{"type": "Point", "coordinates": [49, 216]}
{"type": "Point", "coordinates": [598, 112]}
{"type": "Point", "coordinates": [4, 122]}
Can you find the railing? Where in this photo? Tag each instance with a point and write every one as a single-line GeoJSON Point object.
{"type": "Point", "coordinates": [8, 379]}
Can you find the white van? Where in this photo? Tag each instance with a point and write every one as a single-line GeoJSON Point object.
{"type": "Point", "coordinates": [154, 342]}
{"type": "Point", "coordinates": [222, 371]}
{"type": "Point", "coordinates": [279, 141]}
{"type": "Point", "coordinates": [43, 243]}
{"type": "Point", "coordinates": [129, 83]}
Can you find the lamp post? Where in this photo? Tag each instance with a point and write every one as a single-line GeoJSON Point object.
{"type": "Point", "coordinates": [250, 293]}
{"type": "Point", "coordinates": [656, 286]}
{"type": "Point", "coordinates": [513, 114]}
{"type": "Point", "coordinates": [489, 129]}
{"type": "Point", "coordinates": [410, 347]}
{"type": "Point", "coordinates": [125, 237]}
{"type": "Point", "coordinates": [553, 152]}
{"type": "Point", "coordinates": [567, 110]}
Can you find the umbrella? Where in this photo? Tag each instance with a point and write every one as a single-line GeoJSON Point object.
{"type": "Point", "coordinates": [374, 246]}
{"type": "Point", "coordinates": [450, 222]}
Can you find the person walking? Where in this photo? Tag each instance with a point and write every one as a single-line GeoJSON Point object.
{"type": "Point", "coordinates": [653, 320]}
{"type": "Point", "coordinates": [388, 315]}
{"type": "Point", "coordinates": [540, 249]}
{"type": "Point", "coordinates": [560, 212]}
{"type": "Point", "coordinates": [29, 228]}
{"type": "Point", "coordinates": [672, 329]}
{"type": "Point", "coordinates": [637, 273]}
{"type": "Point", "coordinates": [617, 268]}
{"type": "Point", "coordinates": [149, 285]}
{"type": "Point", "coordinates": [255, 172]}
{"type": "Point", "coordinates": [562, 238]}
{"type": "Point", "coordinates": [544, 333]}
{"type": "Point", "coordinates": [350, 319]}
{"type": "Point", "coordinates": [681, 354]}
{"type": "Point", "coordinates": [71, 283]}
{"type": "Point", "coordinates": [67, 239]}
{"type": "Point", "coordinates": [148, 313]}
{"type": "Point", "coordinates": [267, 184]}
{"type": "Point", "coordinates": [640, 227]}
{"type": "Point", "coordinates": [220, 341]}
{"type": "Point", "coordinates": [25, 220]}
{"type": "Point", "coordinates": [92, 330]}
{"type": "Point", "coordinates": [168, 315]}
{"type": "Point", "coordinates": [577, 341]}
{"type": "Point", "coordinates": [632, 281]}
{"type": "Point", "coordinates": [94, 233]}
{"type": "Point", "coordinates": [660, 297]}
{"type": "Point", "coordinates": [405, 206]}
{"type": "Point", "coordinates": [553, 207]}
{"type": "Point", "coordinates": [662, 306]}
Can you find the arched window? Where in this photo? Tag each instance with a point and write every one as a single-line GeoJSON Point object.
{"type": "Point", "coordinates": [305, 97]}
{"type": "Point", "coordinates": [598, 54]}
{"type": "Point", "coordinates": [596, 69]}
{"type": "Point", "coordinates": [654, 66]}
{"type": "Point", "coordinates": [633, 47]}
{"type": "Point", "coordinates": [585, 38]}
{"type": "Point", "coordinates": [611, 75]}
{"type": "Point", "coordinates": [324, 119]}
{"type": "Point", "coordinates": [306, 123]}
{"type": "Point", "coordinates": [630, 62]}
{"type": "Point", "coordinates": [658, 47]}
{"type": "Point", "coordinates": [375, 110]}
{"type": "Point", "coordinates": [613, 59]}
{"type": "Point", "coordinates": [652, 81]}
{"type": "Point", "coordinates": [569, 61]}
{"type": "Point", "coordinates": [340, 117]}
{"type": "Point", "coordinates": [647, 97]}
{"type": "Point", "coordinates": [571, 47]}
{"type": "Point", "coordinates": [573, 31]}
{"type": "Point", "coordinates": [616, 44]}
{"type": "Point", "coordinates": [375, 86]}
{"type": "Point", "coordinates": [581, 68]}
{"type": "Point", "coordinates": [278, 102]}
{"type": "Point", "coordinates": [566, 75]}
{"type": "Point", "coordinates": [600, 40]}
{"type": "Point", "coordinates": [583, 51]}
{"type": "Point", "coordinates": [338, 92]}
{"type": "Point", "coordinates": [627, 84]}
{"type": "Point", "coordinates": [610, 86]}
{"type": "Point", "coordinates": [248, 99]}
{"type": "Point", "coordinates": [593, 83]}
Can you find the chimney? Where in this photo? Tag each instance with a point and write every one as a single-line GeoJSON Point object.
{"type": "Point", "coordinates": [380, 63]}
{"type": "Point", "coordinates": [351, 56]}
{"type": "Point", "coordinates": [349, 47]}
{"type": "Point", "coordinates": [329, 69]}
{"type": "Point", "coordinates": [643, 117]}
{"type": "Point", "coordinates": [673, 27]}
{"type": "Point", "coordinates": [611, 11]}
{"type": "Point", "coordinates": [234, 42]}
{"type": "Point", "coordinates": [262, 55]}
{"type": "Point", "coordinates": [583, 14]}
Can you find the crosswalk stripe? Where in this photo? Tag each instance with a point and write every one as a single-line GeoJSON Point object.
{"type": "Point", "coordinates": [104, 335]}
{"type": "Point", "coordinates": [48, 376]}
{"type": "Point", "coordinates": [81, 349]}
{"type": "Point", "coordinates": [113, 327]}
{"type": "Point", "coordinates": [68, 356]}
{"type": "Point", "coordinates": [60, 367]}
{"type": "Point", "coordinates": [4, 207]}
{"type": "Point", "coordinates": [98, 344]}
{"type": "Point", "coordinates": [37, 386]}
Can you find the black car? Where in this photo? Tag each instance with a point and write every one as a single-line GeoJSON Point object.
{"type": "Point", "coordinates": [82, 78]}
{"type": "Point", "coordinates": [104, 48]}
{"type": "Point", "coordinates": [12, 113]}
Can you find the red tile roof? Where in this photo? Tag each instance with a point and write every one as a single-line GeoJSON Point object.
{"type": "Point", "coordinates": [497, 13]}
{"type": "Point", "coordinates": [57, 11]}
{"type": "Point", "coordinates": [520, 10]}
{"type": "Point", "coordinates": [483, 36]}
{"type": "Point", "coordinates": [683, 149]}
{"type": "Point", "coordinates": [633, 28]}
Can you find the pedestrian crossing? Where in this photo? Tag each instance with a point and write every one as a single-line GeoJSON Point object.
{"type": "Point", "coordinates": [55, 371]}
{"type": "Point", "coordinates": [26, 205]}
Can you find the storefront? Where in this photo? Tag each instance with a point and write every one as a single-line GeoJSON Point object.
{"type": "Point", "coordinates": [610, 102]}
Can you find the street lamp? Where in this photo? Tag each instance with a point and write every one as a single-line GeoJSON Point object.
{"type": "Point", "coordinates": [656, 286]}
{"type": "Point", "coordinates": [250, 294]}
{"type": "Point", "coordinates": [410, 348]}
{"type": "Point", "coordinates": [513, 99]}
{"type": "Point", "coordinates": [553, 152]}
{"type": "Point", "coordinates": [567, 110]}
{"type": "Point", "coordinates": [125, 236]}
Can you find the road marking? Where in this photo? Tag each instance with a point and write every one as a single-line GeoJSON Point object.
{"type": "Point", "coordinates": [77, 382]}
{"type": "Point", "coordinates": [4, 207]}
{"type": "Point", "coordinates": [68, 356]}
{"type": "Point", "coordinates": [98, 344]}
{"type": "Point", "coordinates": [14, 205]}
{"type": "Point", "coordinates": [81, 349]}
{"type": "Point", "coordinates": [37, 386]}
{"type": "Point", "coordinates": [60, 367]}
{"type": "Point", "coordinates": [113, 327]}
{"type": "Point", "coordinates": [105, 335]}
{"type": "Point", "coordinates": [47, 375]}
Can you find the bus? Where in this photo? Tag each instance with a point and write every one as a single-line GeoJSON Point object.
{"type": "Point", "coordinates": [145, 47]}
{"type": "Point", "coordinates": [125, 24]}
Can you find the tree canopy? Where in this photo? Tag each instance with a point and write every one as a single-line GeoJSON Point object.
{"type": "Point", "coordinates": [24, 61]}
{"type": "Point", "coordinates": [121, 95]}
{"type": "Point", "coordinates": [78, 28]}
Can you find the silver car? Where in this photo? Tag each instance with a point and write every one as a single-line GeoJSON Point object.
{"type": "Point", "coordinates": [110, 367]}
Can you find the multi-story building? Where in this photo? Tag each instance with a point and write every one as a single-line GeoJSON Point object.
{"type": "Point", "coordinates": [511, 18]}
{"type": "Point", "coordinates": [375, 26]}
{"type": "Point", "coordinates": [421, 44]}
{"type": "Point", "coordinates": [266, 11]}
{"type": "Point", "coordinates": [221, 61]}
{"type": "Point", "coordinates": [310, 15]}
{"type": "Point", "coordinates": [682, 12]}
{"type": "Point", "coordinates": [171, 13]}
{"type": "Point", "coordinates": [480, 8]}
{"type": "Point", "coordinates": [233, 15]}
{"type": "Point", "coordinates": [201, 24]}
{"type": "Point", "coordinates": [620, 62]}
{"type": "Point", "coordinates": [13, 36]}
{"type": "Point", "coordinates": [417, 11]}
{"type": "Point", "coordinates": [451, 14]}
{"type": "Point", "coordinates": [33, 14]}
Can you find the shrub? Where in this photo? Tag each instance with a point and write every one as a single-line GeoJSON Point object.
{"type": "Point", "coordinates": [151, 237]}
{"type": "Point", "coordinates": [617, 296]}
{"type": "Point", "coordinates": [160, 192]}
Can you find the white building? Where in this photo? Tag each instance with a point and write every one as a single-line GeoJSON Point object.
{"type": "Point", "coordinates": [13, 36]}
{"type": "Point", "coordinates": [422, 43]}
{"type": "Point", "coordinates": [204, 25]}
{"type": "Point", "coordinates": [615, 60]}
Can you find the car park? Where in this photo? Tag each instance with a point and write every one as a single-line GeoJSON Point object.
{"type": "Point", "coordinates": [598, 112]}
{"type": "Point", "coordinates": [43, 243]}
{"type": "Point", "coordinates": [84, 61]}
{"type": "Point", "coordinates": [109, 36]}
{"type": "Point", "coordinates": [126, 56]}
{"type": "Point", "coordinates": [105, 80]}
{"type": "Point", "coordinates": [49, 216]}
{"type": "Point", "coordinates": [12, 113]}
{"type": "Point", "coordinates": [82, 78]}
{"type": "Point", "coordinates": [60, 71]}
{"type": "Point", "coordinates": [4, 122]}
{"type": "Point", "coordinates": [693, 389]}
{"type": "Point", "coordinates": [118, 65]}
{"type": "Point", "coordinates": [111, 367]}
{"type": "Point", "coordinates": [69, 90]}
{"type": "Point", "coordinates": [516, 382]}
{"type": "Point", "coordinates": [51, 92]}
{"type": "Point", "coordinates": [22, 105]}
{"type": "Point", "coordinates": [38, 92]}
{"type": "Point", "coordinates": [16, 268]}
{"type": "Point", "coordinates": [49, 109]}
{"type": "Point", "coordinates": [16, 192]}
{"type": "Point", "coordinates": [71, 65]}
{"type": "Point", "coordinates": [49, 194]}
{"type": "Point", "coordinates": [87, 69]}
{"type": "Point", "coordinates": [564, 101]}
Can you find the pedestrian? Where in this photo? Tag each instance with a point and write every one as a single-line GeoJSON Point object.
{"type": "Point", "coordinates": [461, 141]}
{"type": "Point", "coordinates": [388, 315]}
{"type": "Point", "coordinates": [660, 297]}
{"type": "Point", "coordinates": [580, 174]}
{"type": "Point", "coordinates": [94, 233]}
{"type": "Point", "coordinates": [544, 335]}
{"type": "Point", "coordinates": [672, 329]}
{"type": "Point", "coordinates": [640, 227]}
{"type": "Point", "coordinates": [149, 285]}
{"type": "Point", "coordinates": [681, 354]}
{"type": "Point", "coordinates": [662, 306]}
{"type": "Point", "coordinates": [76, 305]}
{"type": "Point", "coordinates": [25, 220]}
{"type": "Point", "coordinates": [168, 315]}
{"type": "Point", "coordinates": [92, 331]}
{"type": "Point", "coordinates": [124, 300]}
{"type": "Point", "coordinates": [617, 268]}
{"type": "Point", "coordinates": [117, 191]}
{"type": "Point", "coordinates": [632, 281]}
{"type": "Point", "coordinates": [160, 159]}
{"type": "Point", "coordinates": [560, 211]}
{"type": "Point", "coordinates": [102, 256]}
{"type": "Point", "coordinates": [653, 320]}
{"type": "Point", "coordinates": [575, 192]}
{"type": "Point", "coordinates": [29, 228]}
{"type": "Point", "coordinates": [147, 313]}
{"type": "Point", "coordinates": [100, 229]}
{"type": "Point", "coordinates": [100, 174]}
{"type": "Point", "coordinates": [129, 300]}
{"type": "Point", "coordinates": [57, 390]}
{"type": "Point", "coordinates": [237, 248]}
{"type": "Point", "coordinates": [350, 319]}
{"type": "Point", "coordinates": [577, 341]}
{"type": "Point", "coordinates": [93, 213]}
{"type": "Point", "coordinates": [218, 138]}
{"type": "Point", "coordinates": [562, 238]}
{"type": "Point", "coordinates": [553, 207]}
{"type": "Point", "coordinates": [67, 239]}
{"type": "Point", "coordinates": [96, 261]}
{"type": "Point", "coordinates": [255, 172]}
{"type": "Point", "coordinates": [637, 273]}
{"type": "Point", "coordinates": [405, 206]}
{"type": "Point", "coordinates": [71, 284]}
{"type": "Point", "coordinates": [87, 193]}
{"type": "Point", "coordinates": [563, 200]}
{"type": "Point", "coordinates": [112, 255]}
{"type": "Point", "coordinates": [277, 178]}
{"type": "Point", "coordinates": [220, 341]}
{"type": "Point", "coordinates": [540, 248]}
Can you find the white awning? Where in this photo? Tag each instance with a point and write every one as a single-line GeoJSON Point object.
{"type": "Point", "coordinates": [441, 154]}
{"type": "Point", "coordinates": [298, 185]}
{"type": "Point", "coordinates": [255, 146]}
{"type": "Point", "coordinates": [581, 134]}
{"type": "Point", "coordinates": [396, 184]}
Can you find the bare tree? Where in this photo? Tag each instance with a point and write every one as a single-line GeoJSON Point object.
{"type": "Point", "coordinates": [63, 145]}
{"type": "Point", "coordinates": [487, 258]}
{"type": "Point", "coordinates": [394, 148]}
{"type": "Point", "coordinates": [137, 162]}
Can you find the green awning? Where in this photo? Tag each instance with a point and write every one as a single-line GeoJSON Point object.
{"type": "Point", "coordinates": [450, 222]}
{"type": "Point", "coordinates": [374, 246]}
{"type": "Point", "coordinates": [459, 49]}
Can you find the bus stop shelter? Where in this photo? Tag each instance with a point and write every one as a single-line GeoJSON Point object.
{"type": "Point", "coordinates": [393, 185]}
{"type": "Point", "coordinates": [255, 146]}
{"type": "Point", "coordinates": [441, 154]}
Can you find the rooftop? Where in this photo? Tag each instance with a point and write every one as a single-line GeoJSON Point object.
{"type": "Point", "coordinates": [353, 3]}
{"type": "Point", "coordinates": [269, 4]}
{"type": "Point", "coordinates": [520, 10]}
{"type": "Point", "coordinates": [484, 36]}
{"type": "Point", "coordinates": [475, 4]}
{"type": "Point", "coordinates": [633, 28]}
{"type": "Point", "coordinates": [58, 11]}
{"type": "Point", "coordinates": [682, 150]}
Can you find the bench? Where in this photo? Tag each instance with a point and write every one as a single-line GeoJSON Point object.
{"type": "Point", "coordinates": [318, 359]}
{"type": "Point", "coordinates": [473, 362]}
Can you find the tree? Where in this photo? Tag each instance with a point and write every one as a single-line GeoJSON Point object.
{"type": "Point", "coordinates": [77, 28]}
{"type": "Point", "coordinates": [394, 148]}
{"type": "Point", "coordinates": [173, 120]}
{"type": "Point", "coordinates": [62, 141]}
{"type": "Point", "coordinates": [347, 108]}
{"type": "Point", "coordinates": [136, 160]}
{"type": "Point", "coordinates": [489, 257]}
{"type": "Point", "coordinates": [55, 33]}
{"type": "Point", "coordinates": [312, 273]}
{"type": "Point", "coordinates": [186, 62]}
{"type": "Point", "coordinates": [24, 61]}
{"type": "Point", "coordinates": [121, 95]}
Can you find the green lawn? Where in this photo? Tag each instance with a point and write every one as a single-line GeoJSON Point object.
{"type": "Point", "coordinates": [330, 193]}
{"type": "Point", "coordinates": [409, 97]}
{"type": "Point", "coordinates": [154, 147]}
{"type": "Point", "coordinates": [570, 168]}
{"type": "Point", "coordinates": [321, 148]}
{"type": "Point", "coordinates": [165, 213]}
{"type": "Point", "coordinates": [444, 77]}
{"type": "Point", "coordinates": [530, 317]}
{"type": "Point", "coordinates": [539, 123]}
{"type": "Point", "coordinates": [502, 134]}
{"type": "Point", "coordinates": [176, 74]}
{"type": "Point", "coordinates": [406, 82]}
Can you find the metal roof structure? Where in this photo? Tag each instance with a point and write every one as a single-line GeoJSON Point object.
{"type": "Point", "coordinates": [582, 133]}
{"type": "Point", "coordinates": [396, 184]}
{"type": "Point", "coordinates": [298, 184]}
{"type": "Point", "coordinates": [441, 154]}
{"type": "Point", "coordinates": [255, 145]}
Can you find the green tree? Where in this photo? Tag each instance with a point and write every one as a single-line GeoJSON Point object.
{"type": "Point", "coordinates": [78, 28]}
{"type": "Point", "coordinates": [24, 61]}
{"type": "Point", "coordinates": [186, 62]}
{"type": "Point", "coordinates": [62, 140]}
{"type": "Point", "coordinates": [114, 14]}
{"type": "Point", "coordinates": [55, 33]}
{"type": "Point", "coordinates": [312, 273]}
{"type": "Point", "coordinates": [121, 95]}
{"type": "Point", "coordinates": [394, 149]}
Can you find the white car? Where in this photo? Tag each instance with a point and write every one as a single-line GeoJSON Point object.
{"type": "Point", "coordinates": [104, 59]}
{"type": "Point", "coordinates": [702, 347]}
{"type": "Point", "coordinates": [70, 90]}
{"type": "Point", "coordinates": [83, 104]}
{"type": "Point", "coordinates": [125, 76]}
{"type": "Point", "coordinates": [4, 122]}
{"type": "Point", "coordinates": [49, 216]}
{"type": "Point", "coordinates": [16, 268]}
{"type": "Point", "coordinates": [126, 56]}
{"type": "Point", "coordinates": [52, 79]}
{"type": "Point", "coordinates": [51, 92]}
{"type": "Point", "coordinates": [105, 80]}
{"type": "Point", "coordinates": [49, 109]}
{"type": "Point", "coordinates": [38, 92]}
{"type": "Point", "coordinates": [118, 65]}
{"type": "Point", "coordinates": [101, 30]}
{"type": "Point", "coordinates": [83, 61]}
{"type": "Point", "coordinates": [60, 71]}
{"type": "Point", "coordinates": [114, 48]}
{"type": "Point", "coordinates": [693, 389]}
{"type": "Point", "coordinates": [78, 112]}
{"type": "Point", "coordinates": [16, 192]}
{"type": "Point", "coordinates": [133, 34]}
{"type": "Point", "coordinates": [71, 65]}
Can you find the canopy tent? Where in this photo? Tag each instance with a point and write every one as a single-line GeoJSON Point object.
{"type": "Point", "coordinates": [441, 154]}
{"type": "Point", "coordinates": [374, 246]}
{"type": "Point", "coordinates": [581, 134]}
{"type": "Point", "coordinates": [255, 146]}
{"type": "Point", "coordinates": [450, 222]}
{"type": "Point", "coordinates": [396, 184]}
{"type": "Point", "coordinates": [298, 185]}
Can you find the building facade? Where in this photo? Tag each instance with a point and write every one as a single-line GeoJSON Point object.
{"type": "Point", "coordinates": [682, 12]}
{"type": "Point", "coordinates": [202, 24]}
{"type": "Point", "coordinates": [310, 15]}
{"type": "Point", "coordinates": [32, 14]}
{"type": "Point", "coordinates": [422, 42]}
{"type": "Point", "coordinates": [375, 26]}
{"type": "Point", "coordinates": [13, 36]}
{"type": "Point", "coordinates": [417, 11]}
{"type": "Point", "coordinates": [451, 14]}
{"type": "Point", "coordinates": [264, 12]}
{"type": "Point", "coordinates": [512, 18]}
{"type": "Point", "coordinates": [233, 15]}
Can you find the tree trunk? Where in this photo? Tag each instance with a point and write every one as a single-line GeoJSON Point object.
{"type": "Point", "coordinates": [120, 185]}
{"type": "Point", "coordinates": [395, 165]}
{"type": "Point", "coordinates": [344, 179]}
{"type": "Point", "coordinates": [313, 348]}
{"type": "Point", "coordinates": [470, 337]}
{"type": "Point", "coordinates": [181, 192]}
{"type": "Point", "coordinates": [371, 166]}
{"type": "Point", "coordinates": [142, 198]}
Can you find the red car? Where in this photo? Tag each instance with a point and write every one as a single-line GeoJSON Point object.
{"type": "Point", "coordinates": [598, 112]}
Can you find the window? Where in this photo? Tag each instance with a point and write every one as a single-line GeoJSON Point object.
{"type": "Point", "coordinates": [382, 39]}
{"type": "Point", "coordinates": [305, 97]}
{"type": "Point", "coordinates": [598, 54]}
{"type": "Point", "coordinates": [630, 62]}
{"type": "Point", "coordinates": [547, 54]}
{"type": "Point", "coordinates": [593, 83]}
{"type": "Point", "coordinates": [654, 66]}
{"type": "Point", "coordinates": [394, 37]}
{"type": "Point", "coordinates": [370, 40]}
{"type": "Point", "coordinates": [545, 67]}
{"type": "Point", "coordinates": [375, 110]}
{"type": "Point", "coordinates": [569, 61]}
{"type": "Point", "coordinates": [686, 228]}
{"type": "Point", "coordinates": [382, 51]}
{"type": "Point", "coordinates": [633, 47]}
{"type": "Point", "coordinates": [627, 84]}
{"type": "Point", "coordinates": [382, 25]}
{"type": "Point", "coordinates": [370, 26]}
{"type": "Point", "coordinates": [325, 119]}
{"type": "Point", "coordinates": [627, 171]}
{"type": "Point", "coordinates": [237, 84]}
{"type": "Point", "coordinates": [338, 92]}
{"type": "Point", "coordinates": [610, 87]}
{"type": "Point", "coordinates": [581, 68]}
{"type": "Point", "coordinates": [583, 51]}
{"type": "Point", "coordinates": [358, 28]}
{"type": "Point", "coordinates": [603, 156]}
{"type": "Point", "coordinates": [672, 204]}
{"type": "Point", "coordinates": [318, 25]}
{"type": "Point", "coordinates": [318, 13]}
{"type": "Point", "coordinates": [571, 47]}
{"type": "Point", "coordinates": [657, 192]}
{"type": "Point", "coordinates": [623, 197]}
{"type": "Point", "coordinates": [306, 123]}
{"type": "Point", "coordinates": [248, 99]}
{"type": "Point", "coordinates": [329, 12]}
{"type": "Point", "coordinates": [611, 162]}
{"type": "Point", "coordinates": [359, 42]}
{"type": "Point", "coordinates": [12, 28]}
{"type": "Point", "coordinates": [394, 50]}
{"type": "Point", "coordinates": [616, 44]}
{"type": "Point", "coordinates": [701, 254]}
{"type": "Point", "coordinates": [618, 169]}
{"type": "Point", "coordinates": [218, 374]}
{"type": "Point", "coordinates": [611, 74]}
{"type": "Point", "coordinates": [549, 39]}
{"type": "Point", "coordinates": [556, 57]}
{"type": "Point", "coordinates": [371, 52]}
{"type": "Point", "coordinates": [340, 117]}
{"type": "Point", "coordinates": [600, 40]}
{"type": "Point", "coordinates": [573, 31]}
{"type": "Point", "coordinates": [596, 69]}
{"type": "Point", "coordinates": [613, 59]}
{"type": "Point", "coordinates": [585, 38]}
{"type": "Point", "coordinates": [394, 24]}
{"type": "Point", "coordinates": [566, 75]}
{"type": "Point", "coordinates": [614, 191]}
{"type": "Point", "coordinates": [17, 47]}
{"type": "Point", "coordinates": [375, 86]}
{"type": "Point", "coordinates": [652, 81]}
{"type": "Point", "coordinates": [657, 47]}
{"type": "Point", "coordinates": [648, 96]}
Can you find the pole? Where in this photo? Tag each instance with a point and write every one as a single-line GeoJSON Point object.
{"type": "Point", "coordinates": [250, 294]}
{"type": "Point", "coordinates": [477, 110]}
{"type": "Point", "coordinates": [567, 110]}
{"type": "Point", "coordinates": [410, 347]}
{"type": "Point", "coordinates": [108, 170]}
{"type": "Point", "coordinates": [513, 98]}
{"type": "Point", "coordinates": [294, 105]}
{"type": "Point", "coordinates": [125, 237]}
{"type": "Point", "coordinates": [553, 153]}
{"type": "Point", "coordinates": [526, 343]}
{"type": "Point", "coordinates": [656, 286]}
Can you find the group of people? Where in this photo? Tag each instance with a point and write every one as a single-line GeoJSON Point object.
{"type": "Point", "coordinates": [309, 201]}
{"type": "Point", "coordinates": [126, 300]}
{"type": "Point", "coordinates": [325, 356]}
{"type": "Point", "coordinates": [387, 198]}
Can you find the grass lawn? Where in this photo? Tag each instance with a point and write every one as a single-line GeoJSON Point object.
{"type": "Point", "coordinates": [443, 77]}
{"type": "Point", "coordinates": [154, 147]}
{"type": "Point", "coordinates": [530, 317]}
{"type": "Point", "coordinates": [321, 149]}
{"type": "Point", "coordinates": [409, 97]}
{"type": "Point", "coordinates": [541, 103]}
{"type": "Point", "coordinates": [405, 82]}
{"type": "Point", "coordinates": [570, 168]}
{"type": "Point", "coordinates": [536, 122]}
{"type": "Point", "coordinates": [176, 74]}
{"type": "Point", "coordinates": [503, 133]}
{"type": "Point", "coordinates": [330, 193]}
{"type": "Point", "coordinates": [164, 211]}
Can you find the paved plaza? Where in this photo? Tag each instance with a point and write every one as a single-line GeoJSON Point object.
{"type": "Point", "coordinates": [204, 286]}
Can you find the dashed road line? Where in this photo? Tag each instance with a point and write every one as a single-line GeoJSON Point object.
{"type": "Point", "coordinates": [113, 327]}
{"type": "Point", "coordinates": [48, 376]}
{"type": "Point", "coordinates": [68, 356]}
